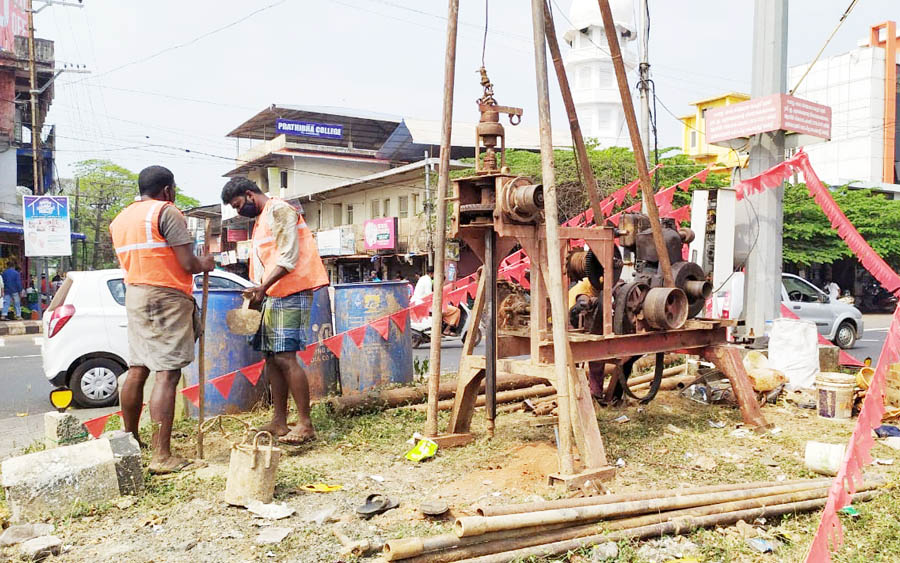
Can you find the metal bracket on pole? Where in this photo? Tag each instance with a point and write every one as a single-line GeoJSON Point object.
{"type": "Point", "coordinates": [48, 3]}
{"type": "Point", "coordinates": [55, 76]}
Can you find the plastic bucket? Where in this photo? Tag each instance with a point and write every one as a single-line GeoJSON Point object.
{"type": "Point", "coordinates": [824, 458]}
{"type": "Point", "coordinates": [835, 392]}
{"type": "Point", "coordinates": [377, 361]}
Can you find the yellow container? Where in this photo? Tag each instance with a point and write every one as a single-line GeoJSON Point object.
{"type": "Point", "coordinates": [835, 392]}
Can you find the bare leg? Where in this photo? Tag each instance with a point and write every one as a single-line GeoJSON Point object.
{"type": "Point", "coordinates": [131, 397]}
{"type": "Point", "coordinates": [162, 412]}
{"type": "Point", "coordinates": [299, 389]}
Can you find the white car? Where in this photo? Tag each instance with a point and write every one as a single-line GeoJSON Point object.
{"type": "Point", "coordinates": [85, 332]}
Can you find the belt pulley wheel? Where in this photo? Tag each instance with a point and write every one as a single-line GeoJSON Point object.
{"type": "Point", "coordinates": [629, 300]}
{"type": "Point", "coordinates": [666, 308]}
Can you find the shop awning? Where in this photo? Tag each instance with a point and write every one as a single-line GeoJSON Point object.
{"type": "Point", "coordinates": [17, 229]}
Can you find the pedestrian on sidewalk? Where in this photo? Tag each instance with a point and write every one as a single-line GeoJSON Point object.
{"type": "Point", "coordinates": [12, 289]}
{"type": "Point", "coordinates": [285, 265]}
{"type": "Point", "coordinates": [155, 249]}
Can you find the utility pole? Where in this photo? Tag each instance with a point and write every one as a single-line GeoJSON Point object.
{"type": "Point", "coordinates": [35, 112]}
{"type": "Point", "coordinates": [644, 71]}
{"type": "Point", "coordinates": [763, 291]}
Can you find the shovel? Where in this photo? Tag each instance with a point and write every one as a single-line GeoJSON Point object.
{"type": "Point", "coordinates": [244, 320]}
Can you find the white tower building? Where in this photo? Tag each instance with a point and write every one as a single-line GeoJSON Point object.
{"type": "Point", "coordinates": [590, 71]}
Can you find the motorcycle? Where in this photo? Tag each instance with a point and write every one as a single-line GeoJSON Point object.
{"type": "Point", "coordinates": [421, 330]}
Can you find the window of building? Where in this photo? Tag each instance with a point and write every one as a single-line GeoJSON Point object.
{"type": "Point", "coordinates": [693, 139]}
{"type": "Point", "coordinates": [386, 212]}
{"type": "Point", "coordinates": [349, 213]}
{"type": "Point", "coordinates": [336, 214]}
{"type": "Point", "coordinates": [403, 206]}
{"type": "Point", "coordinates": [374, 209]}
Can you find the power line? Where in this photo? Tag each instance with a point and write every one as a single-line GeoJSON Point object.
{"type": "Point", "coordinates": [827, 41]}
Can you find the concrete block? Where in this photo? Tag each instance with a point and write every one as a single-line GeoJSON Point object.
{"type": "Point", "coordinates": [41, 548]}
{"type": "Point", "coordinates": [23, 532]}
{"type": "Point", "coordinates": [63, 429]}
{"type": "Point", "coordinates": [52, 482]}
{"type": "Point", "coordinates": [829, 358]}
{"type": "Point", "coordinates": [127, 455]}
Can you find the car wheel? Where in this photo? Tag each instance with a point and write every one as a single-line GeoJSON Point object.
{"type": "Point", "coordinates": [95, 382]}
{"type": "Point", "coordinates": [845, 337]}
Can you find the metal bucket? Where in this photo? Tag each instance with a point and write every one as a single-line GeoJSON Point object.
{"type": "Point", "coordinates": [225, 353]}
{"type": "Point", "coordinates": [377, 361]}
{"type": "Point", "coordinates": [251, 471]}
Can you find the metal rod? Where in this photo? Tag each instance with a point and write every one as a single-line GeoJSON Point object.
{"type": "Point", "coordinates": [584, 163]}
{"type": "Point", "coordinates": [554, 261]}
{"type": "Point", "coordinates": [640, 159]}
{"type": "Point", "coordinates": [434, 379]}
{"type": "Point", "coordinates": [490, 346]}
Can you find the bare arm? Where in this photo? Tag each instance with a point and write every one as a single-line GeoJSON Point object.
{"type": "Point", "coordinates": [191, 263]}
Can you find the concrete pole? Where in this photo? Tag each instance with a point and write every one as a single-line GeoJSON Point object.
{"type": "Point", "coordinates": [644, 70]}
{"type": "Point", "coordinates": [440, 235]}
{"type": "Point", "coordinates": [763, 291]}
{"type": "Point", "coordinates": [554, 259]}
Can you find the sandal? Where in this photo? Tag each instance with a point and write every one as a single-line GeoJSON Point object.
{"type": "Point", "coordinates": [376, 503]}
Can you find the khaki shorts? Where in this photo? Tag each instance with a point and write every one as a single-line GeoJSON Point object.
{"type": "Point", "coordinates": [161, 327]}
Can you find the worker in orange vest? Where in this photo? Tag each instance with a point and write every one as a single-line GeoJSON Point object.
{"type": "Point", "coordinates": [285, 265]}
{"type": "Point", "coordinates": [155, 249]}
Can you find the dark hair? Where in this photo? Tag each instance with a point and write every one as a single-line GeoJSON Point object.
{"type": "Point", "coordinates": [153, 179]}
{"type": "Point", "coordinates": [236, 187]}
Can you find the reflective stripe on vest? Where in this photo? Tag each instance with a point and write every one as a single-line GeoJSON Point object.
{"type": "Point", "coordinates": [309, 271]}
{"type": "Point", "coordinates": [142, 251]}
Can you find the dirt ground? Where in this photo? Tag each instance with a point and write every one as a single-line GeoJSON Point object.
{"type": "Point", "coordinates": [672, 442]}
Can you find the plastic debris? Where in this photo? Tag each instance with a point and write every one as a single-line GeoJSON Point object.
{"type": "Point", "coordinates": [849, 511]}
{"type": "Point", "coordinates": [761, 545]}
{"type": "Point", "coordinates": [423, 450]}
{"type": "Point", "coordinates": [377, 478]}
{"type": "Point", "coordinates": [886, 430]}
{"type": "Point", "coordinates": [622, 419]}
{"type": "Point", "coordinates": [320, 488]}
{"type": "Point", "coordinates": [715, 424]}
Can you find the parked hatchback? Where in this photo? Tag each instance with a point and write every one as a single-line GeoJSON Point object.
{"type": "Point", "coordinates": [86, 332]}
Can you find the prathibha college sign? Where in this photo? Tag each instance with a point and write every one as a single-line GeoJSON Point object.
{"type": "Point", "coordinates": [308, 129]}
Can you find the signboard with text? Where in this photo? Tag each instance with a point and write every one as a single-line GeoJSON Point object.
{"type": "Point", "coordinates": [46, 225]}
{"type": "Point", "coordinates": [13, 21]}
{"type": "Point", "coordinates": [769, 113]}
{"type": "Point", "coordinates": [336, 242]}
{"type": "Point", "coordinates": [309, 129]}
{"type": "Point", "coordinates": [380, 234]}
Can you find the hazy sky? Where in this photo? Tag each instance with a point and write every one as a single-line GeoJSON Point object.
{"type": "Point", "coordinates": [141, 107]}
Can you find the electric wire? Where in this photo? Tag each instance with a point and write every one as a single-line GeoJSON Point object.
{"type": "Point", "coordinates": [827, 41]}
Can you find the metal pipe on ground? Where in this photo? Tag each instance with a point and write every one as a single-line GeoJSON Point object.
{"type": "Point", "coordinates": [477, 525]}
{"type": "Point", "coordinates": [668, 372]}
{"type": "Point", "coordinates": [503, 509]}
{"type": "Point", "coordinates": [667, 384]}
{"type": "Point", "coordinates": [678, 526]}
{"type": "Point", "coordinates": [504, 397]}
{"type": "Point", "coordinates": [389, 398]}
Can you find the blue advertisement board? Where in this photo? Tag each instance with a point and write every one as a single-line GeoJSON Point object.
{"type": "Point", "coordinates": [309, 129]}
{"type": "Point", "coordinates": [46, 225]}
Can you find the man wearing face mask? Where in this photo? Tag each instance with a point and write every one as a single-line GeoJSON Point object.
{"type": "Point", "coordinates": [154, 247]}
{"type": "Point", "coordinates": [285, 265]}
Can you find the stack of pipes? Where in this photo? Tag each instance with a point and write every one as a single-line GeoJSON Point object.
{"type": "Point", "coordinates": [512, 532]}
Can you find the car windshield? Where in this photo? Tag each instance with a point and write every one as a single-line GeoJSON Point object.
{"type": "Point", "coordinates": [217, 282]}
{"type": "Point", "coordinates": [799, 290]}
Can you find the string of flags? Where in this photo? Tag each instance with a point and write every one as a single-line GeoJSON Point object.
{"type": "Point", "coordinates": [513, 268]}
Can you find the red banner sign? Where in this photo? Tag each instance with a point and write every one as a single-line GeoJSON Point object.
{"type": "Point", "coordinates": [13, 21]}
{"type": "Point", "coordinates": [769, 113]}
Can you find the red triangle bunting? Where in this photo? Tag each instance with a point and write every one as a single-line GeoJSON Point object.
{"type": "Point", "coordinates": [335, 343]}
{"type": "Point", "coordinates": [192, 394]}
{"type": "Point", "coordinates": [382, 326]}
{"type": "Point", "coordinates": [685, 184]}
{"type": "Point", "coordinates": [703, 174]}
{"type": "Point", "coordinates": [308, 353]}
{"type": "Point", "coordinates": [454, 297]}
{"type": "Point", "coordinates": [253, 371]}
{"type": "Point", "coordinates": [96, 425]}
{"type": "Point", "coordinates": [400, 317]}
{"type": "Point", "coordinates": [223, 383]}
{"type": "Point", "coordinates": [357, 335]}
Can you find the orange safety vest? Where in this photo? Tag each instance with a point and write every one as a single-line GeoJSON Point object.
{"type": "Point", "coordinates": [143, 252]}
{"type": "Point", "coordinates": [309, 271]}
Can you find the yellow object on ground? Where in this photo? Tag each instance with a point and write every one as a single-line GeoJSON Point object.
{"type": "Point", "coordinates": [423, 450]}
{"type": "Point", "coordinates": [321, 488]}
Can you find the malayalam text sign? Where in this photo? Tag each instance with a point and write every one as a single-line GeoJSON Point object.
{"type": "Point", "coordinates": [46, 225]}
{"type": "Point", "coordinates": [380, 234]}
{"type": "Point", "coordinates": [769, 113]}
{"type": "Point", "coordinates": [309, 129]}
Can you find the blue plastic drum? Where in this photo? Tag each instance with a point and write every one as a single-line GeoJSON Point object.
{"type": "Point", "coordinates": [377, 361]}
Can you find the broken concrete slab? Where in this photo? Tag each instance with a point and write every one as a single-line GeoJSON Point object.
{"type": "Point", "coordinates": [271, 511]}
{"type": "Point", "coordinates": [23, 532]}
{"type": "Point", "coordinates": [127, 455]}
{"type": "Point", "coordinates": [273, 535]}
{"type": "Point", "coordinates": [38, 549]}
{"type": "Point", "coordinates": [52, 482]}
{"type": "Point", "coordinates": [63, 429]}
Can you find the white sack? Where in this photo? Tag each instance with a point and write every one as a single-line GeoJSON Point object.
{"type": "Point", "coordinates": [794, 350]}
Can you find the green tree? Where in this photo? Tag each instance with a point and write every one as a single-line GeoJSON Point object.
{"type": "Point", "coordinates": [809, 238]}
{"type": "Point", "coordinates": [100, 191]}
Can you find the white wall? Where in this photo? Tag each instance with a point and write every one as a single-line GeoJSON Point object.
{"type": "Point", "coordinates": [9, 206]}
{"type": "Point", "coordinates": [852, 84]}
{"type": "Point", "coordinates": [310, 175]}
